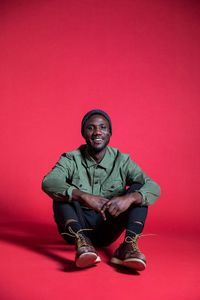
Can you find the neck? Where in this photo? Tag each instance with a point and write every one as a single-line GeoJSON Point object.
{"type": "Point", "coordinates": [97, 156]}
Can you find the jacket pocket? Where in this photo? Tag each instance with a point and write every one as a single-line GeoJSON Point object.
{"type": "Point", "coordinates": [112, 188]}
{"type": "Point", "coordinates": [77, 182]}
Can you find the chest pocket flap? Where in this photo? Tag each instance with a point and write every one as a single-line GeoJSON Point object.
{"type": "Point", "coordinates": [77, 182]}
{"type": "Point", "coordinates": [113, 186]}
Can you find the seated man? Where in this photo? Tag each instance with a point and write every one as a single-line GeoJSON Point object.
{"type": "Point", "coordinates": [97, 193]}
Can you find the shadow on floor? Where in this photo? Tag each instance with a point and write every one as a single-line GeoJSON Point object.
{"type": "Point", "coordinates": [42, 239]}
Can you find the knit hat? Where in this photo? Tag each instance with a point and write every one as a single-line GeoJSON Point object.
{"type": "Point", "coordinates": [95, 112]}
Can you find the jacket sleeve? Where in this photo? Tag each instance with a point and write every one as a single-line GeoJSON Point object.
{"type": "Point", "coordinates": [57, 182]}
{"type": "Point", "coordinates": [150, 190]}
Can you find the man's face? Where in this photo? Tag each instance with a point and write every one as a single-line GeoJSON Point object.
{"type": "Point", "coordinates": [97, 133]}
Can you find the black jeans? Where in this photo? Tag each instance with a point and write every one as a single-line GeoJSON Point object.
{"type": "Point", "coordinates": [104, 232]}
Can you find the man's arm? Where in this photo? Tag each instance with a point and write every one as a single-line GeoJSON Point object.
{"type": "Point", "coordinates": [56, 182]}
{"type": "Point", "coordinates": [146, 195]}
{"type": "Point", "coordinates": [150, 190]}
{"type": "Point", "coordinates": [56, 185]}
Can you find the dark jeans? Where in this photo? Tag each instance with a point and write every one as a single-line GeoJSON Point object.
{"type": "Point", "coordinates": [104, 232]}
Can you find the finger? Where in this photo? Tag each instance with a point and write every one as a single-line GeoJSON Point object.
{"type": "Point", "coordinates": [102, 212]}
{"type": "Point", "coordinates": [105, 206]}
{"type": "Point", "coordinates": [113, 210]}
{"type": "Point", "coordinates": [112, 207]}
{"type": "Point", "coordinates": [117, 213]}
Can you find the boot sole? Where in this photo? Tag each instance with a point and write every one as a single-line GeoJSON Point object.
{"type": "Point", "coordinates": [135, 264]}
{"type": "Point", "coordinates": [87, 259]}
{"type": "Point", "coordinates": [131, 263]}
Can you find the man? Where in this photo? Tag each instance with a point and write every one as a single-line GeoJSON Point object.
{"type": "Point", "coordinates": [97, 193]}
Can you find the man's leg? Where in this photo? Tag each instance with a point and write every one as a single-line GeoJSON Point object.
{"type": "Point", "coordinates": [106, 232]}
{"type": "Point", "coordinates": [64, 215]}
{"type": "Point", "coordinates": [71, 225]}
{"type": "Point", "coordinates": [128, 253]}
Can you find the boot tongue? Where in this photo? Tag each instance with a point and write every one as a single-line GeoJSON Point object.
{"type": "Point", "coordinates": [132, 242]}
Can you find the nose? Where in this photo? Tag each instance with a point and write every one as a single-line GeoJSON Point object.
{"type": "Point", "coordinates": [97, 130]}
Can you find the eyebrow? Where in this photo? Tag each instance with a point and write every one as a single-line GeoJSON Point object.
{"type": "Point", "coordinates": [89, 124]}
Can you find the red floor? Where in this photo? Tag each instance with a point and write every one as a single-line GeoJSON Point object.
{"type": "Point", "coordinates": [37, 264]}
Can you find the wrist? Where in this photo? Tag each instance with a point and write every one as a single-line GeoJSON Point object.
{"type": "Point", "coordinates": [135, 198]}
{"type": "Point", "coordinates": [78, 195]}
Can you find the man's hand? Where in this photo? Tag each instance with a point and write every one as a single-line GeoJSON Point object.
{"type": "Point", "coordinates": [95, 202]}
{"type": "Point", "coordinates": [118, 205]}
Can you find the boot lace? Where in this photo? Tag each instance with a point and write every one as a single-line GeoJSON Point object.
{"type": "Point", "coordinates": [81, 239]}
{"type": "Point", "coordinates": [133, 239]}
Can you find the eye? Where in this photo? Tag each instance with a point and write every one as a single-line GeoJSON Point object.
{"type": "Point", "coordinates": [104, 127]}
{"type": "Point", "coordinates": [89, 127]}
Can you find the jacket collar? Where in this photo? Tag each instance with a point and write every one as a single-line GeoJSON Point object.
{"type": "Point", "coordinates": [90, 162]}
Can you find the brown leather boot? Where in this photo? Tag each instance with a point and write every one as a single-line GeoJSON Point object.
{"type": "Point", "coordinates": [86, 255]}
{"type": "Point", "coordinates": [129, 255]}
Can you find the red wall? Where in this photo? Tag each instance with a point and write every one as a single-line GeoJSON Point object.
{"type": "Point", "coordinates": [137, 60]}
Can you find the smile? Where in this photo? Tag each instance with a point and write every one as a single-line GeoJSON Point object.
{"type": "Point", "coordinates": [97, 140]}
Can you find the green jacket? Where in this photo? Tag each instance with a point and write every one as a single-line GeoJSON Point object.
{"type": "Point", "coordinates": [109, 178]}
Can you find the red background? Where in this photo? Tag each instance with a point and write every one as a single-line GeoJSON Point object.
{"type": "Point", "coordinates": [137, 60]}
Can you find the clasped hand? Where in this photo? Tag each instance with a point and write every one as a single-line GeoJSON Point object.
{"type": "Point", "coordinates": [115, 206]}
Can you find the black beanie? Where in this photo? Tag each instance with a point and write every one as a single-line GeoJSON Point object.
{"type": "Point", "coordinates": [95, 112]}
